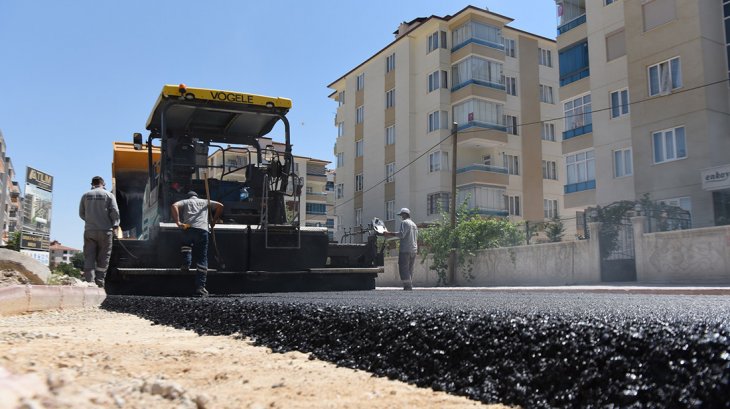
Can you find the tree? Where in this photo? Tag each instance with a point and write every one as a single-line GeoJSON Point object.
{"type": "Point", "coordinates": [473, 232]}
{"type": "Point", "coordinates": [67, 269]}
{"type": "Point", "coordinates": [14, 241]}
{"type": "Point", "coordinates": [554, 229]}
{"type": "Point", "coordinates": [77, 260]}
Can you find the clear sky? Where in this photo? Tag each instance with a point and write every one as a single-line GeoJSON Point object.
{"type": "Point", "coordinates": [76, 76]}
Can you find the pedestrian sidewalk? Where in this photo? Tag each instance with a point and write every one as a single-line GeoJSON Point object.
{"type": "Point", "coordinates": [19, 299]}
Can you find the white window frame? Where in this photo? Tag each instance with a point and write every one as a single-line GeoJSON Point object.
{"type": "Point", "coordinates": [438, 120]}
{"type": "Point", "coordinates": [436, 40]}
{"type": "Point", "coordinates": [510, 47]}
{"type": "Point", "coordinates": [510, 86]}
{"type": "Point", "coordinates": [359, 148]}
{"type": "Point", "coordinates": [390, 98]}
{"type": "Point", "coordinates": [618, 102]}
{"type": "Point", "coordinates": [340, 129]}
{"type": "Point", "coordinates": [360, 82]}
{"type": "Point", "coordinates": [513, 205]}
{"type": "Point", "coordinates": [389, 172]}
{"type": "Point", "coordinates": [390, 210]}
{"type": "Point", "coordinates": [550, 208]}
{"type": "Point", "coordinates": [360, 114]}
{"type": "Point", "coordinates": [622, 163]}
{"type": "Point", "coordinates": [544, 57]}
{"type": "Point", "coordinates": [390, 63]}
{"type": "Point", "coordinates": [341, 98]}
{"type": "Point", "coordinates": [358, 216]}
{"type": "Point", "coordinates": [359, 182]}
{"type": "Point", "coordinates": [511, 124]}
{"type": "Point", "coordinates": [548, 132]}
{"type": "Point", "coordinates": [550, 170]}
{"type": "Point", "coordinates": [578, 115]}
{"type": "Point", "coordinates": [584, 165]}
{"type": "Point", "coordinates": [438, 161]}
{"type": "Point", "coordinates": [511, 163]}
{"type": "Point", "coordinates": [437, 79]}
{"type": "Point", "coordinates": [668, 153]}
{"type": "Point", "coordinates": [339, 191]}
{"type": "Point", "coordinates": [340, 159]}
{"type": "Point", "coordinates": [434, 199]}
{"type": "Point", "coordinates": [669, 82]}
{"type": "Point", "coordinates": [546, 94]}
{"type": "Point", "coordinates": [390, 135]}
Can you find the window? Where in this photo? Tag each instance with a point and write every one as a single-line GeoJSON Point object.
{"type": "Point", "coordinates": [580, 167]}
{"type": "Point", "coordinates": [479, 112]}
{"type": "Point", "coordinates": [479, 33]}
{"type": "Point", "coordinates": [487, 160]}
{"type": "Point", "coordinates": [390, 63]}
{"type": "Point", "coordinates": [511, 124]}
{"type": "Point", "coordinates": [358, 216]}
{"type": "Point", "coordinates": [619, 103]}
{"type": "Point", "coordinates": [550, 208]}
{"type": "Point", "coordinates": [358, 182]}
{"type": "Point", "coordinates": [512, 203]}
{"type": "Point", "coordinates": [615, 45]}
{"type": "Point", "coordinates": [360, 82]}
{"type": "Point", "coordinates": [340, 191]}
{"type": "Point", "coordinates": [316, 208]}
{"type": "Point", "coordinates": [726, 16]}
{"type": "Point", "coordinates": [437, 202]}
{"type": "Point", "coordinates": [509, 48]}
{"type": "Point", "coordinates": [548, 132]}
{"type": "Point", "coordinates": [390, 135]}
{"type": "Point", "coordinates": [578, 113]}
{"type": "Point", "coordinates": [340, 129]}
{"type": "Point", "coordinates": [622, 163]}
{"type": "Point", "coordinates": [684, 203]}
{"type": "Point", "coordinates": [510, 85]}
{"type": "Point", "coordinates": [359, 148]}
{"type": "Point", "coordinates": [573, 63]}
{"type": "Point", "coordinates": [657, 12]}
{"type": "Point", "coordinates": [341, 98]}
{"type": "Point", "coordinates": [512, 164]}
{"type": "Point", "coordinates": [544, 57]}
{"type": "Point", "coordinates": [665, 76]}
{"type": "Point", "coordinates": [436, 40]}
{"type": "Point", "coordinates": [360, 114]}
{"type": "Point", "coordinates": [669, 145]}
{"type": "Point", "coordinates": [438, 120]}
{"type": "Point", "coordinates": [546, 94]}
{"type": "Point", "coordinates": [607, 2]}
{"type": "Point", "coordinates": [549, 170]}
{"type": "Point", "coordinates": [390, 99]}
{"type": "Point", "coordinates": [436, 80]}
{"type": "Point", "coordinates": [438, 161]}
{"type": "Point", "coordinates": [479, 71]}
{"type": "Point", "coordinates": [340, 159]}
{"type": "Point", "coordinates": [390, 210]}
{"type": "Point", "coordinates": [389, 172]}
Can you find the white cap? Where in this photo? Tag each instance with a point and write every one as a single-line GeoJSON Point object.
{"type": "Point", "coordinates": [405, 210]}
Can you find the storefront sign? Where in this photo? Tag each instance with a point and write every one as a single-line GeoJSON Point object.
{"type": "Point", "coordinates": [716, 178]}
{"type": "Point", "coordinates": [42, 257]}
{"type": "Point", "coordinates": [34, 241]}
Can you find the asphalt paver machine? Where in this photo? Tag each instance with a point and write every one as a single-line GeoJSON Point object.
{"type": "Point", "coordinates": [260, 244]}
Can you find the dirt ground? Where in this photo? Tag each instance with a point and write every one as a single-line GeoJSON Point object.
{"type": "Point", "coordinates": [91, 358]}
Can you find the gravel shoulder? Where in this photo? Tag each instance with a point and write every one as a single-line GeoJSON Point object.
{"type": "Point", "coordinates": [93, 358]}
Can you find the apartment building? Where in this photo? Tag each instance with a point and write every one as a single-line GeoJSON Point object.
{"type": "Point", "coordinates": [395, 112]}
{"type": "Point", "coordinates": [9, 194]}
{"type": "Point", "coordinates": [61, 254]}
{"type": "Point", "coordinates": [313, 203]}
{"type": "Point", "coordinates": [643, 88]}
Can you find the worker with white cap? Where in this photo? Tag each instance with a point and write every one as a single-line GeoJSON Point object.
{"type": "Point", "coordinates": [408, 236]}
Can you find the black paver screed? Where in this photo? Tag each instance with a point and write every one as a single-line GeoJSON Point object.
{"type": "Point", "coordinates": [529, 349]}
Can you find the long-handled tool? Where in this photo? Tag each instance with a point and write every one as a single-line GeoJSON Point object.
{"type": "Point", "coordinates": [218, 259]}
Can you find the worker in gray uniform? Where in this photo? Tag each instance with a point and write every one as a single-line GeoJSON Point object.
{"type": "Point", "coordinates": [408, 236]}
{"type": "Point", "coordinates": [99, 210]}
{"type": "Point", "coordinates": [191, 215]}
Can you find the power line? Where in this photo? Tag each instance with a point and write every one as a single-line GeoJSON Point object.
{"type": "Point", "coordinates": [654, 98]}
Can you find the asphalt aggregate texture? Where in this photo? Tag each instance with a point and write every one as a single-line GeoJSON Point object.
{"type": "Point", "coordinates": [532, 349]}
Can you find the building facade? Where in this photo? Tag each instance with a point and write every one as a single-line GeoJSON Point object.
{"type": "Point", "coordinates": [10, 200]}
{"type": "Point", "coordinates": [644, 93]}
{"type": "Point", "coordinates": [395, 113]}
{"type": "Point", "coordinates": [61, 254]}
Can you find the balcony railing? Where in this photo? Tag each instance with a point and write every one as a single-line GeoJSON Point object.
{"type": "Point", "coordinates": [478, 41]}
{"type": "Point", "coordinates": [483, 168]}
{"type": "Point", "coordinates": [494, 85]}
{"type": "Point", "coordinates": [572, 24]}
{"type": "Point", "coordinates": [480, 124]}
{"type": "Point", "coordinates": [574, 76]}
{"type": "Point", "coordinates": [581, 130]}
{"type": "Point", "coordinates": [580, 186]}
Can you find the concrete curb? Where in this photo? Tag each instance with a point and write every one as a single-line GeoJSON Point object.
{"type": "Point", "coordinates": [19, 299]}
{"type": "Point", "coordinates": [607, 289]}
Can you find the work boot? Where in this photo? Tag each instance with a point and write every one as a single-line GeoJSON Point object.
{"type": "Point", "coordinates": [201, 292]}
{"type": "Point", "coordinates": [99, 283]}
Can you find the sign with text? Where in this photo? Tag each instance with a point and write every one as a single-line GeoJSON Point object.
{"type": "Point", "coordinates": [42, 257]}
{"type": "Point", "coordinates": [716, 178]}
{"type": "Point", "coordinates": [34, 241]}
{"type": "Point", "coordinates": [37, 202]}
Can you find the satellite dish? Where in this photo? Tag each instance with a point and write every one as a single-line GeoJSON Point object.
{"type": "Point", "coordinates": [379, 226]}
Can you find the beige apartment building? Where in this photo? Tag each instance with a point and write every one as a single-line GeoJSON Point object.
{"type": "Point", "coordinates": [644, 93]}
{"type": "Point", "coordinates": [395, 114]}
{"type": "Point", "coordinates": [10, 199]}
{"type": "Point", "coordinates": [313, 204]}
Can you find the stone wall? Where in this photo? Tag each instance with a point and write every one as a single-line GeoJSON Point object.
{"type": "Point", "coordinates": [695, 256]}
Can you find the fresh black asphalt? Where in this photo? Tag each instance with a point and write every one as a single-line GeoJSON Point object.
{"type": "Point", "coordinates": [533, 349]}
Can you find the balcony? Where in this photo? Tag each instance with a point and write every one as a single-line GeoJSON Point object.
{"type": "Point", "coordinates": [479, 41]}
{"type": "Point", "coordinates": [581, 130]}
{"type": "Point", "coordinates": [482, 174]}
{"type": "Point", "coordinates": [572, 24]}
{"type": "Point", "coordinates": [494, 85]}
{"type": "Point", "coordinates": [480, 135]}
{"type": "Point", "coordinates": [580, 186]}
{"type": "Point", "coordinates": [316, 196]}
{"type": "Point", "coordinates": [574, 76]}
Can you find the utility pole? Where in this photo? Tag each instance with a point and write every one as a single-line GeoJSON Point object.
{"type": "Point", "coordinates": [452, 205]}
